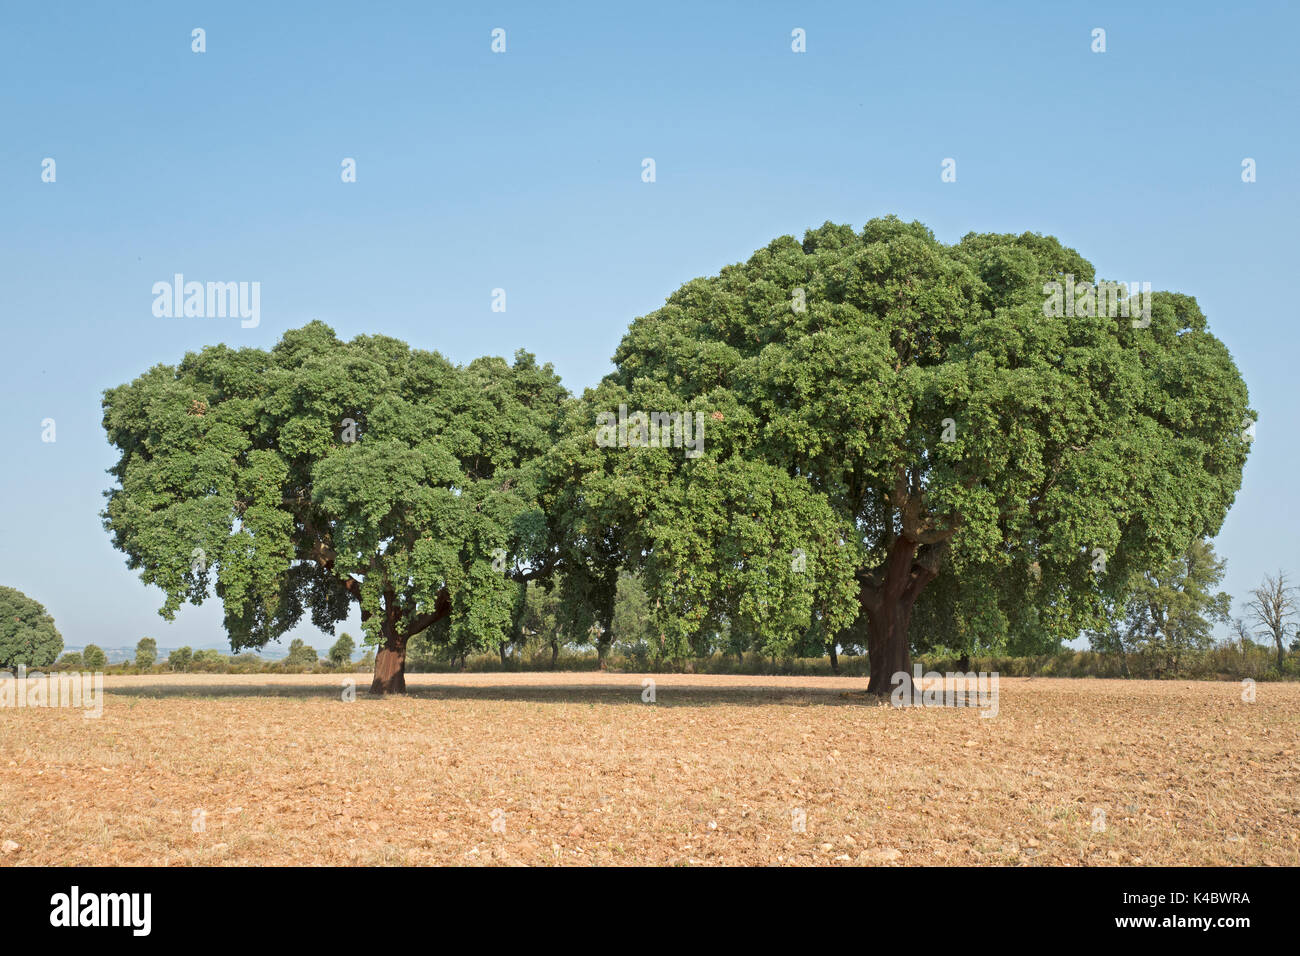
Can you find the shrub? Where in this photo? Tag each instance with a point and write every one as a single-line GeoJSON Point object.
{"type": "Point", "coordinates": [70, 661]}
{"type": "Point", "coordinates": [146, 653]}
{"type": "Point", "coordinates": [179, 659]}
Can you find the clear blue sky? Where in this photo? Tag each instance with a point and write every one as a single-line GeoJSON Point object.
{"type": "Point", "coordinates": [522, 170]}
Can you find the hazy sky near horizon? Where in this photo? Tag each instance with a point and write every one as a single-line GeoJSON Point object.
{"type": "Point", "coordinates": [522, 171]}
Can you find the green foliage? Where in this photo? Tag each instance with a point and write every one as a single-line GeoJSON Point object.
{"type": "Point", "coordinates": [27, 633]}
{"type": "Point", "coordinates": [535, 623]}
{"type": "Point", "coordinates": [93, 657]}
{"type": "Point", "coordinates": [322, 474]}
{"type": "Point", "coordinates": [858, 392]}
{"type": "Point", "coordinates": [180, 659]}
{"type": "Point", "coordinates": [209, 660]}
{"type": "Point", "coordinates": [341, 651]}
{"type": "Point", "coordinates": [247, 662]}
{"type": "Point", "coordinates": [631, 624]}
{"type": "Point", "coordinates": [1169, 611]}
{"type": "Point", "coordinates": [300, 654]}
{"type": "Point", "coordinates": [828, 371]}
{"type": "Point", "coordinates": [70, 661]}
{"type": "Point", "coordinates": [146, 653]}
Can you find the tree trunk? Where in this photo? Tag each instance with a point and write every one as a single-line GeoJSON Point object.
{"type": "Point", "coordinates": [502, 648]}
{"type": "Point", "coordinates": [390, 666]}
{"type": "Point", "coordinates": [390, 662]}
{"type": "Point", "coordinates": [835, 660]}
{"type": "Point", "coordinates": [888, 650]}
{"type": "Point", "coordinates": [555, 653]}
{"type": "Point", "coordinates": [887, 596]}
{"type": "Point", "coordinates": [601, 649]}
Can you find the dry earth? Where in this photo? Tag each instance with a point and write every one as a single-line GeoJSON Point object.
{"type": "Point", "coordinates": [576, 769]}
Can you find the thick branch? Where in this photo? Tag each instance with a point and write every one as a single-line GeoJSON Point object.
{"type": "Point", "coordinates": [925, 568]}
{"type": "Point", "coordinates": [441, 608]}
{"type": "Point", "coordinates": [920, 527]}
{"type": "Point", "coordinates": [536, 574]}
{"type": "Point", "coordinates": [908, 568]}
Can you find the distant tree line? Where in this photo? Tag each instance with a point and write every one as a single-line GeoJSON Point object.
{"type": "Point", "coordinates": [1164, 629]}
{"type": "Point", "coordinates": [185, 660]}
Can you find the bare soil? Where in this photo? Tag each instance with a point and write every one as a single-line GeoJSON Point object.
{"type": "Point", "coordinates": [546, 769]}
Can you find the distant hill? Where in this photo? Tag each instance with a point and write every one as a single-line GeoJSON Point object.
{"type": "Point", "coordinates": [121, 655]}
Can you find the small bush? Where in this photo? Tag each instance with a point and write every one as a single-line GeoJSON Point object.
{"type": "Point", "coordinates": [70, 661]}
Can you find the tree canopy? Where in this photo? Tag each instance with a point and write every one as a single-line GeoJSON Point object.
{"type": "Point", "coordinates": [827, 442]}
{"type": "Point", "coordinates": [900, 411]}
{"type": "Point", "coordinates": [340, 652]}
{"type": "Point", "coordinates": [28, 636]}
{"type": "Point", "coordinates": [322, 474]}
{"type": "Point", "coordinates": [1168, 610]}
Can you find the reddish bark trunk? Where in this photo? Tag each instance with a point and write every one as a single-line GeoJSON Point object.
{"type": "Point", "coordinates": [390, 667]}
{"type": "Point", "coordinates": [390, 662]}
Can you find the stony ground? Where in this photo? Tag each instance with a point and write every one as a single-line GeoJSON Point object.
{"type": "Point", "coordinates": [577, 769]}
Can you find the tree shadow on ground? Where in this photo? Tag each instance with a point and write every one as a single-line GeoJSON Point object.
{"type": "Point", "coordinates": [612, 693]}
